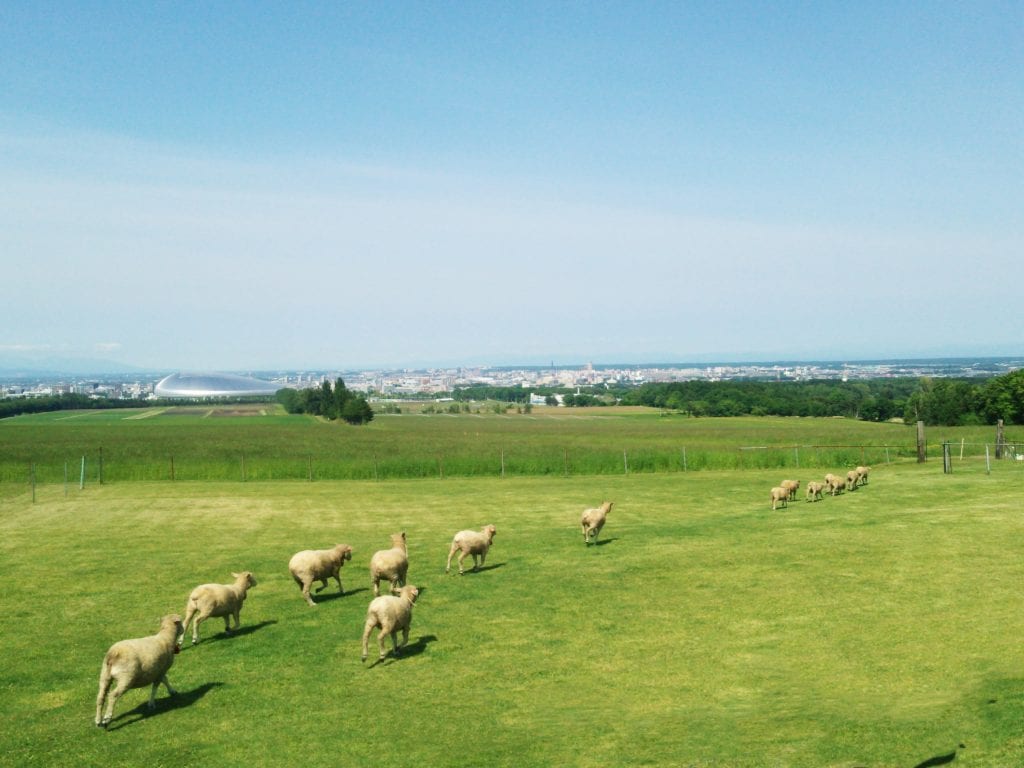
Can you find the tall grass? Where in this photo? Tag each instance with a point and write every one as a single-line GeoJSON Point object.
{"type": "Point", "coordinates": [188, 444]}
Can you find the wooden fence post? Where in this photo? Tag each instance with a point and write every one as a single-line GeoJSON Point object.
{"type": "Point", "coordinates": [921, 451]}
{"type": "Point", "coordinates": [1000, 439]}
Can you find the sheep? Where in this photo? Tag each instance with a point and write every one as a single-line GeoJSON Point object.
{"type": "Point", "coordinates": [834, 483]}
{"type": "Point", "coordinates": [779, 495]}
{"type": "Point", "coordinates": [814, 490]}
{"type": "Point", "coordinates": [475, 543]}
{"type": "Point", "coordinates": [391, 613]}
{"type": "Point", "coordinates": [852, 480]}
{"type": "Point", "coordinates": [792, 486]}
{"type": "Point", "coordinates": [592, 521]}
{"type": "Point", "coordinates": [862, 475]}
{"type": "Point", "coordinates": [320, 565]}
{"type": "Point", "coordinates": [137, 663]}
{"type": "Point", "coordinates": [391, 564]}
{"type": "Point", "coordinates": [225, 600]}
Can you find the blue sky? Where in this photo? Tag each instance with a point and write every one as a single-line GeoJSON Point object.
{"type": "Point", "coordinates": [242, 186]}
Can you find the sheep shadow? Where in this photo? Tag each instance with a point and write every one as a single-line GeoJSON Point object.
{"type": "Point", "coordinates": [242, 631]}
{"type": "Point", "coordinates": [601, 542]}
{"type": "Point", "coordinates": [937, 760]}
{"type": "Point", "coordinates": [483, 568]}
{"type": "Point", "coordinates": [407, 651]}
{"type": "Point", "coordinates": [180, 700]}
{"type": "Point", "coordinates": [329, 596]}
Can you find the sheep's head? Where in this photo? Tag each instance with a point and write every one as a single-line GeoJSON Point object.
{"type": "Point", "coordinates": [490, 532]}
{"type": "Point", "coordinates": [246, 577]}
{"type": "Point", "coordinates": [607, 506]}
{"type": "Point", "coordinates": [409, 592]}
{"type": "Point", "coordinates": [345, 552]}
{"type": "Point", "coordinates": [398, 539]}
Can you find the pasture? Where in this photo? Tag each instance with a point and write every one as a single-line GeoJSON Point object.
{"type": "Point", "coordinates": [261, 442]}
{"type": "Point", "coordinates": [878, 628]}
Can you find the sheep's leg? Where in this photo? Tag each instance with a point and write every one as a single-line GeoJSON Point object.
{"type": "Point", "coordinates": [323, 586]}
{"type": "Point", "coordinates": [451, 553]}
{"type": "Point", "coordinates": [195, 629]}
{"type": "Point", "coordinates": [375, 583]}
{"type": "Point", "coordinates": [105, 681]}
{"type": "Point", "coordinates": [380, 642]}
{"type": "Point", "coordinates": [305, 592]}
{"type": "Point", "coordinates": [476, 565]}
{"type": "Point", "coordinates": [119, 689]}
{"type": "Point", "coordinates": [337, 578]}
{"type": "Point", "coordinates": [405, 637]}
{"type": "Point", "coordinates": [462, 556]}
{"type": "Point", "coordinates": [167, 685]}
{"type": "Point", "coordinates": [371, 622]}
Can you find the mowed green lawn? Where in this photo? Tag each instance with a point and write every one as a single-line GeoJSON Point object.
{"type": "Point", "coordinates": [879, 628]}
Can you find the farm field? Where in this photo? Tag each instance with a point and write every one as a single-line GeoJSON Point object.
{"type": "Point", "coordinates": [878, 628]}
{"type": "Point", "coordinates": [261, 442]}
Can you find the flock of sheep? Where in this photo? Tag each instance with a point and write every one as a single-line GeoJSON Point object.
{"type": "Point", "coordinates": [144, 661]}
{"type": "Point", "coordinates": [785, 491]}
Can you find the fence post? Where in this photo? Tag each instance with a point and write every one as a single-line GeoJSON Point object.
{"type": "Point", "coordinates": [309, 468]}
{"type": "Point", "coordinates": [1000, 439]}
{"type": "Point", "coordinates": [947, 459]}
{"type": "Point", "coordinates": [101, 465]}
{"type": "Point", "coordinates": [684, 458]}
{"type": "Point", "coordinates": [796, 450]}
{"type": "Point", "coordinates": [172, 469]}
{"type": "Point", "coordinates": [988, 463]}
{"type": "Point", "coordinates": [32, 477]}
{"type": "Point", "coordinates": [81, 480]}
{"type": "Point", "coordinates": [625, 463]}
{"type": "Point", "coordinates": [921, 451]}
{"type": "Point", "coordinates": [65, 478]}
{"type": "Point", "coordinates": [243, 467]}
{"type": "Point", "coordinates": [503, 462]}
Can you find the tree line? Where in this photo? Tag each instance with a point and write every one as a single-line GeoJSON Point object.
{"type": "Point", "coordinates": [935, 401]}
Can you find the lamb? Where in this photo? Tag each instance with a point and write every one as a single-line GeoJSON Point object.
{"type": "Point", "coordinates": [225, 600]}
{"type": "Point", "coordinates": [391, 613]}
{"type": "Point", "coordinates": [137, 663]}
{"type": "Point", "coordinates": [592, 521]}
{"type": "Point", "coordinates": [852, 480]}
{"type": "Point", "coordinates": [779, 495]}
{"type": "Point", "coordinates": [814, 491]}
{"type": "Point", "coordinates": [792, 486]}
{"type": "Point", "coordinates": [320, 565]}
{"type": "Point", "coordinates": [834, 483]}
{"type": "Point", "coordinates": [475, 543]}
{"type": "Point", "coordinates": [862, 473]}
{"type": "Point", "coordinates": [391, 564]}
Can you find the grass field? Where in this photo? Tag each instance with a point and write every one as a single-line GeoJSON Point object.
{"type": "Point", "coordinates": [261, 442]}
{"type": "Point", "coordinates": [878, 628]}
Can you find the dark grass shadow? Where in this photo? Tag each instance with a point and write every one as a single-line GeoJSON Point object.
{"type": "Point", "coordinates": [931, 762]}
{"type": "Point", "coordinates": [180, 700]}
{"type": "Point", "coordinates": [602, 542]}
{"type": "Point", "coordinates": [409, 651]}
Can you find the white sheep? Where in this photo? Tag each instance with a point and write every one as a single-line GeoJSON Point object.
{"type": "Point", "coordinates": [862, 474]}
{"type": "Point", "coordinates": [792, 486]}
{"type": "Point", "coordinates": [391, 564]}
{"type": "Point", "coordinates": [475, 543]}
{"type": "Point", "coordinates": [225, 600]}
{"type": "Point", "coordinates": [391, 613]}
{"type": "Point", "coordinates": [311, 565]}
{"type": "Point", "coordinates": [814, 490]}
{"type": "Point", "coordinates": [852, 480]}
{"type": "Point", "coordinates": [834, 483]}
{"type": "Point", "coordinates": [137, 663]}
{"type": "Point", "coordinates": [779, 495]}
{"type": "Point", "coordinates": [592, 521]}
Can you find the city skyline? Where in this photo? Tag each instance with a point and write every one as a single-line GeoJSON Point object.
{"type": "Point", "coordinates": [390, 185]}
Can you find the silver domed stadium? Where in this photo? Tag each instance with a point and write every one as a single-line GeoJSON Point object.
{"type": "Point", "coordinates": [211, 385]}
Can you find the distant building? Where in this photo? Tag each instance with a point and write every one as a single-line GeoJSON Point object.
{"type": "Point", "coordinates": [188, 385]}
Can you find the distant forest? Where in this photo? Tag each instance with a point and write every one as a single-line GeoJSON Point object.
{"type": "Point", "coordinates": [935, 401]}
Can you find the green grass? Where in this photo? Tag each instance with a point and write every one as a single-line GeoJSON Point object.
{"type": "Point", "coordinates": [259, 443]}
{"type": "Point", "coordinates": [878, 628]}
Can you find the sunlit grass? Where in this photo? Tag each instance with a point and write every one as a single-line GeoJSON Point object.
{"type": "Point", "coordinates": [878, 628]}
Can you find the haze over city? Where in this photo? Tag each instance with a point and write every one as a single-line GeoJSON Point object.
{"type": "Point", "coordinates": [238, 187]}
